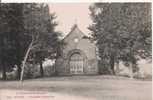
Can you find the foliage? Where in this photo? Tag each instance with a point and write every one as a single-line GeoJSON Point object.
{"type": "Point", "coordinates": [39, 26]}
{"type": "Point", "coordinates": [31, 71]}
{"type": "Point", "coordinates": [143, 76]}
{"type": "Point", "coordinates": [49, 70]}
{"type": "Point", "coordinates": [122, 31]}
{"type": "Point", "coordinates": [10, 18]}
{"type": "Point", "coordinates": [103, 67]}
{"type": "Point", "coordinates": [26, 31]}
{"type": "Point", "coordinates": [12, 75]}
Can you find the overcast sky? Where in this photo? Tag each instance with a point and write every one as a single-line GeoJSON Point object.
{"type": "Point", "coordinates": [69, 13]}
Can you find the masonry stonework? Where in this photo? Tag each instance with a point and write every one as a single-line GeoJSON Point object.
{"type": "Point", "coordinates": [78, 55]}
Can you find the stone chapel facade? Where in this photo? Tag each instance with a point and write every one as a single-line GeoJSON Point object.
{"type": "Point", "coordinates": [78, 55]}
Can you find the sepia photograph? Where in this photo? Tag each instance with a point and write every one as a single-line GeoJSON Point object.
{"type": "Point", "coordinates": [76, 51]}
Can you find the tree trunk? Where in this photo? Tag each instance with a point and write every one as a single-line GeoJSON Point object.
{"type": "Point", "coordinates": [131, 70]}
{"type": "Point", "coordinates": [24, 61]}
{"type": "Point", "coordinates": [41, 69]}
{"type": "Point", "coordinates": [18, 71]}
{"type": "Point", "coordinates": [131, 63]}
{"type": "Point", "coordinates": [117, 68]}
{"type": "Point", "coordinates": [4, 71]}
{"type": "Point", "coordinates": [112, 63]}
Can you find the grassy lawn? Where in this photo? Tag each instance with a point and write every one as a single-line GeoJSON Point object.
{"type": "Point", "coordinates": [85, 87]}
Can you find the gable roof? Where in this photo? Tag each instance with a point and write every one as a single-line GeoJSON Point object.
{"type": "Point", "coordinates": [75, 26]}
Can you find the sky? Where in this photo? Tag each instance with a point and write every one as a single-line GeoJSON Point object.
{"type": "Point", "coordinates": [69, 14]}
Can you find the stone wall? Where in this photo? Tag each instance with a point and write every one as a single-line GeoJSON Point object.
{"type": "Point", "coordinates": [83, 46]}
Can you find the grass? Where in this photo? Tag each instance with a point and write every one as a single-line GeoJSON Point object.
{"type": "Point", "coordinates": [93, 87]}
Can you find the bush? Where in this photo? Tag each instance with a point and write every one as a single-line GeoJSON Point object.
{"type": "Point", "coordinates": [13, 74]}
{"type": "Point", "coordinates": [103, 67]}
{"type": "Point", "coordinates": [31, 71]}
{"type": "Point", "coordinates": [143, 76]}
{"type": "Point", "coordinates": [49, 70]}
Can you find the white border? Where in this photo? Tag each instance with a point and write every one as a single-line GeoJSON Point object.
{"type": "Point", "coordinates": [69, 1]}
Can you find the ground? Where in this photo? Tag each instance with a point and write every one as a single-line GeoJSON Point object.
{"type": "Point", "coordinates": [83, 88]}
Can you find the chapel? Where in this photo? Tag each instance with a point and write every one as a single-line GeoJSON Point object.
{"type": "Point", "coordinates": [78, 55]}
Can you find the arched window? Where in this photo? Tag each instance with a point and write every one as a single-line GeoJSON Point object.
{"type": "Point", "coordinates": [76, 57]}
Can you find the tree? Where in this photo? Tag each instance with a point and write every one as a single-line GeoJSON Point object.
{"type": "Point", "coordinates": [137, 23]}
{"type": "Point", "coordinates": [12, 27]}
{"type": "Point", "coordinates": [117, 28]}
{"type": "Point", "coordinates": [25, 29]}
{"type": "Point", "coordinates": [106, 20]}
{"type": "Point", "coordinates": [7, 40]}
{"type": "Point", "coordinates": [39, 28]}
{"type": "Point", "coordinates": [16, 28]}
{"type": "Point", "coordinates": [2, 31]}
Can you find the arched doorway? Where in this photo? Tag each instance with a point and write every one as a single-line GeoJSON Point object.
{"type": "Point", "coordinates": [76, 63]}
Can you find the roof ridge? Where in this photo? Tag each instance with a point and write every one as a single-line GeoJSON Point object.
{"type": "Point", "coordinates": [72, 29]}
